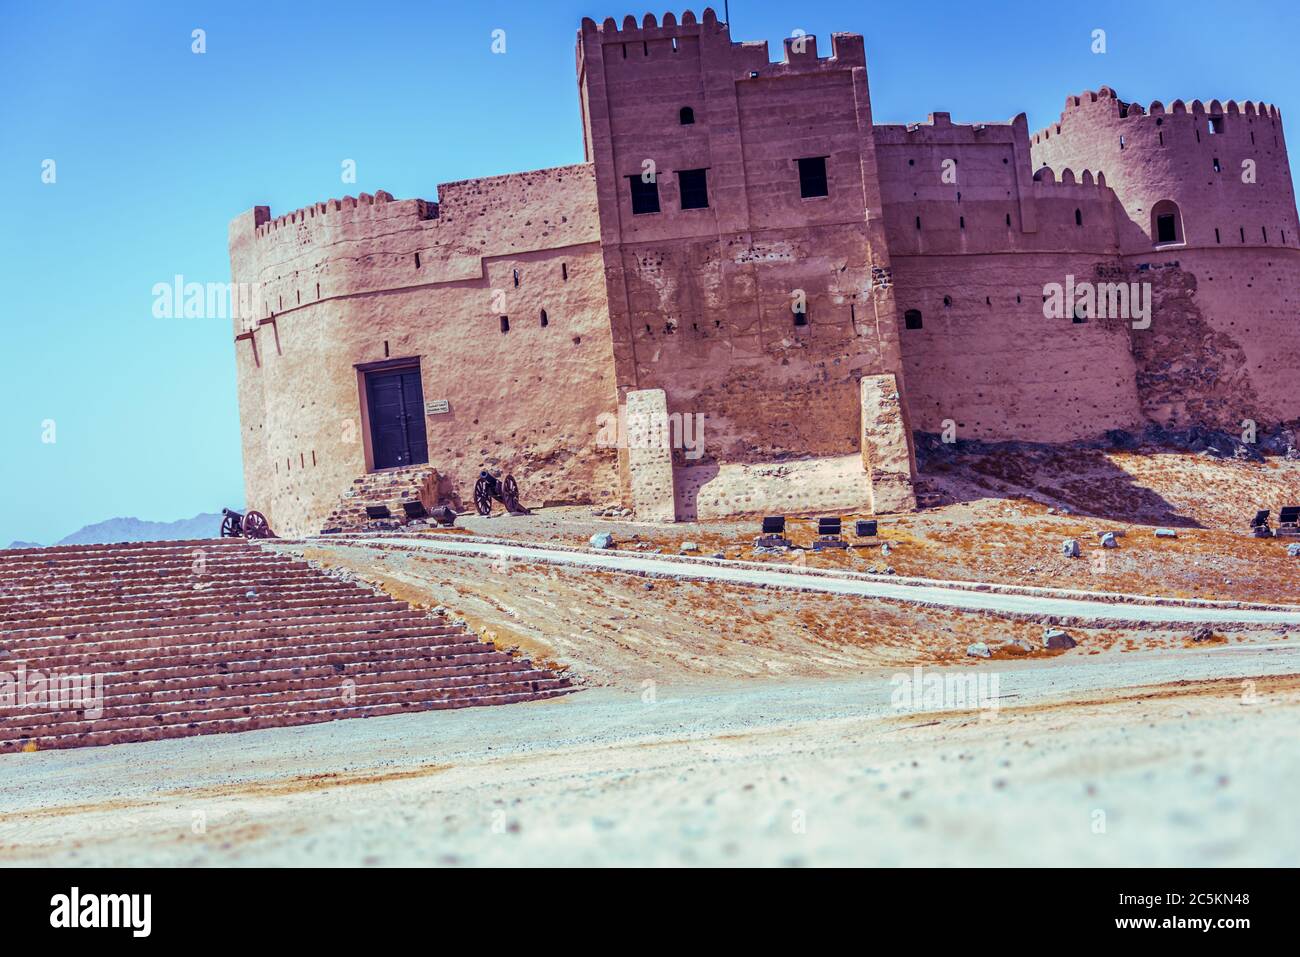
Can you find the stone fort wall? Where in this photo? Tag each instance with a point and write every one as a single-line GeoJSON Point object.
{"type": "Point", "coordinates": [1225, 338]}
{"type": "Point", "coordinates": [923, 272]}
{"type": "Point", "coordinates": [354, 284]}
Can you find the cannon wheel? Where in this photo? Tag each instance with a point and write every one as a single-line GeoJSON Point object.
{"type": "Point", "coordinates": [510, 494]}
{"type": "Point", "coordinates": [230, 527]}
{"type": "Point", "coordinates": [482, 497]}
{"type": "Point", "coordinates": [256, 526]}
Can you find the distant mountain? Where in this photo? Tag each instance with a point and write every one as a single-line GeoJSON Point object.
{"type": "Point", "coordinates": [203, 525]}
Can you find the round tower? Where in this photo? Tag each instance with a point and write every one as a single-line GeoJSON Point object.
{"type": "Point", "coordinates": [1193, 175]}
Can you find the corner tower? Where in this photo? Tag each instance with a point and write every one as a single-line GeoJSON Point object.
{"type": "Point", "coordinates": [1210, 223]}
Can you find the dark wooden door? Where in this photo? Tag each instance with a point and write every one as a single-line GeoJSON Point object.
{"type": "Point", "coordinates": [396, 402]}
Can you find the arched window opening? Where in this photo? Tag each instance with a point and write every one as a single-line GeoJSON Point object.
{"type": "Point", "coordinates": [1166, 222]}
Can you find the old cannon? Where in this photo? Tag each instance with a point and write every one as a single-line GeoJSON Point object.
{"type": "Point", "coordinates": [252, 525]}
{"type": "Point", "coordinates": [489, 487]}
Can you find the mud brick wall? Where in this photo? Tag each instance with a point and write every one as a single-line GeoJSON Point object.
{"type": "Point", "coordinates": [701, 299]}
{"type": "Point", "coordinates": [360, 282]}
{"type": "Point", "coordinates": [1225, 341]}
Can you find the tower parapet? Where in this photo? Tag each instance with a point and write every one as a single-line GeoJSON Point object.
{"type": "Point", "coordinates": [1197, 174]}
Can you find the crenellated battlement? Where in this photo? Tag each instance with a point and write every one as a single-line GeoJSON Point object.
{"type": "Point", "coordinates": [649, 28]}
{"type": "Point", "coordinates": [340, 208]}
{"type": "Point", "coordinates": [1045, 176]}
{"type": "Point", "coordinates": [1105, 102]}
{"type": "Point", "coordinates": [458, 202]}
{"type": "Point", "coordinates": [650, 37]}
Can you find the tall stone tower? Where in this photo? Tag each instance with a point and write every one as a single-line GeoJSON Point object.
{"type": "Point", "coordinates": [741, 226]}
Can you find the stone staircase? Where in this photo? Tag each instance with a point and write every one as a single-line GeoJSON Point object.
{"type": "Point", "coordinates": [391, 488]}
{"type": "Point", "coordinates": [168, 639]}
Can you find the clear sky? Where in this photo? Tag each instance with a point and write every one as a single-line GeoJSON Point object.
{"type": "Point", "coordinates": [156, 148]}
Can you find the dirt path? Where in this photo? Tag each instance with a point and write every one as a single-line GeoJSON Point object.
{"type": "Point", "coordinates": [1042, 606]}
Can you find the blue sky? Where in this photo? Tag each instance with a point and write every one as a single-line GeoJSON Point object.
{"type": "Point", "coordinates": [157, 148]}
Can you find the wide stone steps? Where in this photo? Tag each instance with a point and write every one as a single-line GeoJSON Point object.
{"type": "Point", "coordinates": [84, 620]}
{"type": "Point", "coordinates": [276, 712]}
{"type": "Point", "coordinates": [244, 639]}
{"type": "Point", "coordinates": [306, 695]}
{"type": "Point", "coordinates": [232, 726]}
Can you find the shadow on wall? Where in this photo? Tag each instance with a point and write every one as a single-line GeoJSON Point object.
{"type": "Point", "coordinates": [1079, 476]}
{"type": "Point", "coordinates": [688, 482]}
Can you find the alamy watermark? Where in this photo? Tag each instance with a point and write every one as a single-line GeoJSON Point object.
{"type": "Point", "coordinates": [38, 691]}
{"type": "Point", "coordinates": [179, 299]}
{"type": "Point", "coordinates": [652, 430]}
{"type": "Point", "coordinates": [946, 690]}
{"type": "Point", "coordinates": [1098, 300]}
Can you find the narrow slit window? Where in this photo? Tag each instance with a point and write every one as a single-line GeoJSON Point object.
{"type": "Point", "coordinates": [645, 196]}
{"type": "Point", "coordinates": [516, 275]}
{"type": "Point", "coordinates": [545, 321]}
{"type": "Point", "coordinates": [1217, 167]}
{"type": "Point", "coordinates": [1078, 217]}
{"type": "Point", "coordinates": [693, 188]}
{"type": "Point", "coordinates": [564, 271]}
{"type": "Point", "coordinates": [417, 260]}
{"type": "Point", "coordinates": [505, 323]}
{"type": "Point", "coordinates": [812, 177]}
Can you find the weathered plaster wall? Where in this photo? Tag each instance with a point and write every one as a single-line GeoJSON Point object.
{"type": "Point", "coordinates": [1225, 338]}
{"type": "Point", "coordinates": [975, 237]}
{"type": "Point", "coordinates": [701, 299]}
{"type": "Point", "coordinates": [342, 289]}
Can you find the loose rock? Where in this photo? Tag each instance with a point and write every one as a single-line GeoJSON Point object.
{"type": "Point", "coordinates": [1055, 639]}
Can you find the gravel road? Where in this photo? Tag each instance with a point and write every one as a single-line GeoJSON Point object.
{"type": "Point", "coordinates": [1041, 605]}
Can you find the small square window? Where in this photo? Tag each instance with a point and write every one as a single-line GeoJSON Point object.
{"type": "Point", "coordinates": [1166, 228]}
{"type": "Point", "coordinates": [645, 196]}
{"type": "Point", "coordinates": [912, 319]}
{"type": "Point", "coordinates": [693, 186]}
{"type": "Point", "coordinates": [812, 177]}
{"type": "Point", "coordinates": [1216, 125]}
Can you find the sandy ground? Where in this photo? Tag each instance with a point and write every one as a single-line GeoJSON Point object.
{"type": "Point", "coordinates": [1003, 519]}
{"type": "Point", "coordinates": [720, 723]}
{"type": "Point", "coordinates": [1175, 759]}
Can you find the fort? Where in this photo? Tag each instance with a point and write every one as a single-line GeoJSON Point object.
{"type": "Point", "coordinates": [743, 242]}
